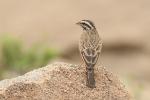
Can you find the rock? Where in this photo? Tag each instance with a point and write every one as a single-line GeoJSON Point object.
{"type": "Point", "coordinates": [61, 81]}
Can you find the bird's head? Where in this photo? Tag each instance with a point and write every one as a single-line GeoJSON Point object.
{"type": "Point", "coordinates": [86, 25]}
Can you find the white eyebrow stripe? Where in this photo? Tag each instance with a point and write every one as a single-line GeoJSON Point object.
{"type": "Point", "coordinates": [87, 23]}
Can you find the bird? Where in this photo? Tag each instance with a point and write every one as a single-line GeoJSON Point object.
{"type": "Point", "coordinates": [90, 45]}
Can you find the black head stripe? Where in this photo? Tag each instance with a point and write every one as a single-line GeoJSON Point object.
{"type": "Point", "coordinates": [86, 25]}
{"type": "Point", "coordinates": [90, 22]}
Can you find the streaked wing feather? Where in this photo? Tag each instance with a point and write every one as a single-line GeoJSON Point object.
{"type": "Point", "coordinates": [90, 50]}
{"type": "Point", "coordinates": [90, 56]}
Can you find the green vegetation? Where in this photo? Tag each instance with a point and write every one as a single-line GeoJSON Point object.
{"type": "Point", "coordinates": [15, 57]}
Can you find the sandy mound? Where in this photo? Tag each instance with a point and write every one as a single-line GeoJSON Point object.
{"type": "Point", "coordinates": [61, 81]}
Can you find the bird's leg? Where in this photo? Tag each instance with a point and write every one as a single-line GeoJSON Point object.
{"type": "Point", "coordinates": [81, 64]}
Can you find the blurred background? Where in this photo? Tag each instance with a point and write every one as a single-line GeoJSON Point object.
{"type": "Point", "coordinates": [34, 33]}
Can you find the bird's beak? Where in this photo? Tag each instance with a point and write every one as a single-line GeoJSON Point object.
{"type": "Point", "coordinates": [78, 23]}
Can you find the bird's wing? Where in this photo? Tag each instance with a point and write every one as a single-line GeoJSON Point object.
{"type": "Point", "coordinates": [91, 55]}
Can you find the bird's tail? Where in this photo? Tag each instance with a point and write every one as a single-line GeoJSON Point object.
{"type": "Point", "coordinates": [90, 78]}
